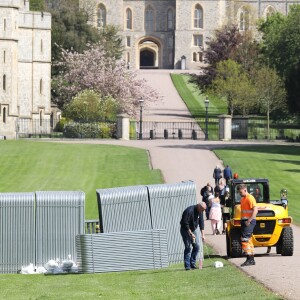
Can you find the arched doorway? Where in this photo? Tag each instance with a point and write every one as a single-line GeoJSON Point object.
{"type": "Point", "coordinates": [149, 52]}
{"type": "Point", "coordinates": [147, 58]}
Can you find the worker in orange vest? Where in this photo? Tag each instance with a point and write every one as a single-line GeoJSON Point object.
{"type": "Point", "coordinates": [248, 222]}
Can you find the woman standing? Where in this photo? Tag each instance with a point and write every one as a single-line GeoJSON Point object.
{"type": "Point", "coordinates": [215, 214]}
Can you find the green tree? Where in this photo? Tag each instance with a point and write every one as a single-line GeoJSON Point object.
{"type": "Point", "coordinates": [90, 106]}
{"type": "Point", "coordinates": [37, 5]}
{"type": "Point", "coordinates": [232, 84]}
{"type": "Point", "coordinates": [281, 48]}
{"type": "Point", "coordinates": [271, 93]}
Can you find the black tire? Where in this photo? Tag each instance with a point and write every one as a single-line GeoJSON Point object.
{"type": "Point", "coordinates": [235, 239]}
{"type": "Point", "coordinates": [287, 241]}
{"type": "Point", "coordinates": [228, 244]}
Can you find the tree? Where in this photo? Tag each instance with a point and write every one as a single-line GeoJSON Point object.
{"type": "Point", "coordinates": [90, 106]}
{"type": "Point", "coordinates": [281, 48]}
{"type": "Point", "coordinates": [232, 84]}
{"type": "Point", "coordinates": [93, 69]}
{"type": "Point", "coordinates": [271, 93]}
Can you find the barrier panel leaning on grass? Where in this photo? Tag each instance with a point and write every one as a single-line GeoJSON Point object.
{"type": "Point", "coordinates": [37, 227]}
{"type": "Point", "coordinates": [147, 207]}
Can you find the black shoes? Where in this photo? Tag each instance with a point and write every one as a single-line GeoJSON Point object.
{"type": "Point", "coordinates": [249, 262]}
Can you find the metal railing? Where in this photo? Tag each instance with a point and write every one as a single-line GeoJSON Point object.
{"type": "Point", "coordinates": [91, 226]}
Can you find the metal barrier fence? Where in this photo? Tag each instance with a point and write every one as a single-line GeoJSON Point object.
{"type": "Point", "coordinates": [37, 227]}
{"type": "Point", "coordinates": [122, 251]}
{"type": "Point", "coordinates": [145, 208]}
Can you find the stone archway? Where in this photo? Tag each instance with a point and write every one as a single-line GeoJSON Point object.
{"type": "Point", "coordinates": [149, 52]}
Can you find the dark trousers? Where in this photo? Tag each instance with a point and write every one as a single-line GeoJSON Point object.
{"type": "Point", "coordinates": [190, 257]}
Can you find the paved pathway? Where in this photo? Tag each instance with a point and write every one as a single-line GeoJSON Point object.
{"type": "Point", "coordinates": [193, 160]}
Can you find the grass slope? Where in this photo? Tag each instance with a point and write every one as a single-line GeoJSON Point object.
{"type": "Point", "coordinates": [194, 100]}
{"type": "Point", "coordinates": [28, 166]}
{"type": "Point", "coordinates": [280, 164]}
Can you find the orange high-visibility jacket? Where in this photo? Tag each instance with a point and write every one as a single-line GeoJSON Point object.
{"type": "Point", "coordinates": [247, 204]}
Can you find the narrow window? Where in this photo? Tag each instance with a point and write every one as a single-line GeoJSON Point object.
{"type": "Point", "coordinates": [149, 19]}
{"type": "Point", "coordinates": [170, 19]}
{"type": "Point", "coordinates": [128, 41]}
{"type": "Point", "coordinates": [4, 24]}
{"type": "Point", "coordinates": [198, 17]}
{"type": "Point", "coordinates": [200, 56]}
{"type": "Point", "coordinates": [4, 57]}
{"type": "Point", "coordinates": [128, 18]}
{"type": "Point", "coordinates": [4, 82]}
{"type": "Point", "coordinates": [101, 15]}
{"type": "Point", "coordinates": [41, 117]}
{"type": "Point", "coordinates": [128, 57]}
{"type": "Point", "coordinates": [41, 86]}
{"type": "Point", "coordinates": [244, 20]}
{"type": "Point", "coordinates": [194, 56]}
{"type": "Point", "coordinates": [4, 115]}
{"type": "Point", "coordinates": [42, 46]}
{"type": "Point", "coordinates": [198, 40]}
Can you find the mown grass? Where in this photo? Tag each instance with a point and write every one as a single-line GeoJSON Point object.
{"type": "Point", "coordinates": [170, 283]}
{"type": "Point", "coordinates": [28, 166]}
{"type": "Point", "coordinates": [280, 164]}
{"type": "Point", "coordinates": [194, 100]}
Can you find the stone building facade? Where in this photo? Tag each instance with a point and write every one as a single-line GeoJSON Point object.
{"type": "Point", "coordinates": [25, 68]}
{"type": "Point", "coordinates": [171, 34]}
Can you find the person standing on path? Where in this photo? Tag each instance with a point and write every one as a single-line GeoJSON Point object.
{"type": "Point", "coordinates": [215, 214]}
{"type": "Point", "coordinates": [227, 173]}
{"type": "Point", "coordinates": [248, 222]}
{"type": "Point", "coordinates": [205, 192]}
{"type": "Point", "coordinates": [217, 175]}
{"type": "Point", "coordinates": [192, 217]}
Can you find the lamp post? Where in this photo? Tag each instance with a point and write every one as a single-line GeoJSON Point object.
{"type": "Point", "coordinates": [141, 119]}
{"type": "Point", "coordinates": [206, 102]}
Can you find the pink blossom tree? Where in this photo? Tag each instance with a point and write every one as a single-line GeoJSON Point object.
{"type": "Point", "coordinates": [95, 70]}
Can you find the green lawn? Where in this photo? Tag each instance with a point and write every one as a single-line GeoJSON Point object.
{"type": "Point", "coordinates": [28, 166]}
{"type": "Point", "coordinates": [170, 283]}
{"type": "Point", "coordinates": [280, 164]}
{"type": "Point", "coordinates": [194, 100]}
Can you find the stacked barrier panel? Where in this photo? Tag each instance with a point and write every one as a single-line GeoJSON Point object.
{"type": "Point", "coordinates": [167, 202]}
{"type": "Point", "coordinates": [124, 209]}
{"type": "Point", "coordinates": [59, 218]}
{"type": "Point", "coordinates": [122, 251]}
{"type": "Point", "coordinates": [17, 231]}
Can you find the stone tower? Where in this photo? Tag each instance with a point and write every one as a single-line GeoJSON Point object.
{"type": "Point", "coordinates": [25, 67]}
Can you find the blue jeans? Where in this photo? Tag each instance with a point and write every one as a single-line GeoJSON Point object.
{"type": "Point", "coordinates": [190, 258]}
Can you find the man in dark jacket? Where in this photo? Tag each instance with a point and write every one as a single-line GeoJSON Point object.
{"type": "Point", "coordinates": [217, 175]}
{"type": "Point", "coordinates": [227, 174]}
{"type": "Point", "coordinates": [192, 217]}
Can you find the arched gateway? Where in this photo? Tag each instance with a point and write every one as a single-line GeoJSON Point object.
{"type": "Point", "coordinates": [149, 53]}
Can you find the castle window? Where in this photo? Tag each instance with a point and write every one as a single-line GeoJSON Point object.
{"type": "Point", "coordinates": [194, 56]}
{"type": "Point", "coordinates": [128, 58]}
{"type": "Point", "coordinates": [41, 86]}
{"type": "Point", "coordinates": [269, 12]}
{"type": "Point", "coordinates": [4, 24]}
{"type": "Point", "coordinates": [41, 118]}
{"type": "Point", "coordinates": [200, 56]}
{"type": "Point", "coordinates": [101, 16]}
{"type": "Point", "coordinates": [244, 19]}
{"type": "Point", "coordinates": [149, 19]}
{"type": "Point", "coordinates": [198, 17]}
{"type": "Point", "coordinates": [4, 82]}
{"type": "Point", "coordinates": [128, 41]}
{"type": "Point", "coordinates": [198, 40]}
{"type": "Point", "coordinates": [170, 17]}
{"type": "Point", "coordinates": [128, 18]}
{"type": "Point", "coordinates": [4, 57]}
{"type": "Point", "coordinates": [42, 46]}
{"type": "Point", "coordinates": [4, 115]}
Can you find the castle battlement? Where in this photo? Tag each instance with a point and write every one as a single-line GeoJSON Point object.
{"type": "Point", "coordinates": [35, 20]}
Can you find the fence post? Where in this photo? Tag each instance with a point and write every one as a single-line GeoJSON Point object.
{"type": "Point", "coordinates": [225, 127]}
{"type": "Point", "coordinates": [123, 126]}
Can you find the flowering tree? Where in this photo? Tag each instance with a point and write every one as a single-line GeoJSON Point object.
{"type": "Point", "coordinates": [95, 70]}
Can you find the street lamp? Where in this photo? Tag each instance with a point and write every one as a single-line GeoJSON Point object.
{"type": "Point", "coordinates": [141, 119]}
{"type": "Point", "coordinates": [206, 102]}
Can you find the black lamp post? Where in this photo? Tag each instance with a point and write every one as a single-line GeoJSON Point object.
{"type": "Point", "coordinates": [206, 101]}
{"type": "Point", "coordinates": [141, 119]}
